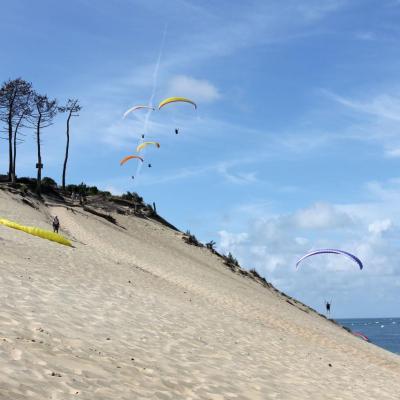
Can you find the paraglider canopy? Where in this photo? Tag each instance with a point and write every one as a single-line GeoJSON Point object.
{"type": "Point", "coordinates": [145, 144]}
{"type": "Point", "coordinates": [127, 158]}
{"type": "Point", "coordinates": [360, 335]}
{"type": "Point", "coordinates": [176, 99]}
{"type": "Point", "coordinates": [332, 251]}
{"type": "Point", "coordinates": [137, 108]}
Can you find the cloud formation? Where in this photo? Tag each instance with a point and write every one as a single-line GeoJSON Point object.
{"type": "Point", "coordinates": [273, 242]}
{"type": "Point", "coordinates": [200, 90]}
{"type": "Point", "coordinates": [321, 216]}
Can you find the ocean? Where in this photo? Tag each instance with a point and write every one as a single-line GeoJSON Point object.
{"type": "Point", "coordinates": [384, 332]}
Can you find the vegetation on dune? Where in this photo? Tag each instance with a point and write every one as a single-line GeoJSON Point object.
{"type": "Point", "coordinates": [229, 260]}
{"type": "Point", "coordinates": [23, 109]}
{"type": "Point", "coordinates": [191, 239]}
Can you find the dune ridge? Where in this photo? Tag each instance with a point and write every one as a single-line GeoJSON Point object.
{"type": "Point", "coordinates": [132, 311]}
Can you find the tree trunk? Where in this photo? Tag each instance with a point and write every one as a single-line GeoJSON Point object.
{"type": "Point", "coordinates": [66, 153]}
{"type": "Point", "coordinates": [10, 137]}
{"type": "Point", "coordinates": [39, 164]}
{"type": "Point", "coordinates": [10, 148]}
{"type": "Point", "coordinates": [14, 158]}
{"type": "Point", "coordinates": [13, 175]}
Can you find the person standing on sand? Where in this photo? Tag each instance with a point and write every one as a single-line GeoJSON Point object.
{"type": "Point", "coordinates": [56, 224]}
{"type": "Point", "coordinates": [328, 307]}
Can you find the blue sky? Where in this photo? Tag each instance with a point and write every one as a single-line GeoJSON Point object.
{"type": "Point", "coordinates": [295, 144]}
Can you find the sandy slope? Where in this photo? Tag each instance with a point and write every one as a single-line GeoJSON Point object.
{"type": "Point", "coordinates": [132, 312]}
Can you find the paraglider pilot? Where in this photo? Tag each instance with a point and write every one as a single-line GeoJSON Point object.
{"type": "Point", "coordinates": [328, 307]}
{"type": "Point", "coordinates": [176, 131]}
{"type": "Point", "coordinates": [56, 224]}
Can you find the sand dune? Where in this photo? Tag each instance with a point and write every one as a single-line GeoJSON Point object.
{"type": "Point", "coordinates": [133, 312]}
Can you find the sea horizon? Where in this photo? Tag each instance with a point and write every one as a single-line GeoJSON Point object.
{"type": "Point", "coordinates": [383, 332]}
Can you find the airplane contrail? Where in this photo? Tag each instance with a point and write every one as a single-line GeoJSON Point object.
{"type": "Point", "coordinates": [153, 93]}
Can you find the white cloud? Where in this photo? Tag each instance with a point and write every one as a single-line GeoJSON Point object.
{"type": "Point", "coordinates": [274, 242]}
{"type": "Point", "coordinates": [200, 90]}
{"type": "Point", "coordinates": [386, 106]}
{"type": "Point", "coordinates": [392, 153]}
{"type": "Point", "coordinates": [388, 192]}
{"type": "Point", "coordinates": [321, 216]}
{"type": "Point", "coordinates": [380, 226]}
{"type": "Point", "coordinates": [374, 119]}
{"type": "Point", "coordinates": [301, 240]}
{"type": "Point", "coordinates": [230, 241]}
{"type": "Point", "coordinates": [236, 178]}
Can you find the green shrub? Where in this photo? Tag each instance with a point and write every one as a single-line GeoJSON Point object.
{"type": "Point", "coordinates": [46, 181]}
{"type": "Point", "coordinates": [210, 245]}
{"type": "Point", "coordinates": [191, 239]}
{"type": "Point", "coordinates": [230, 260]}
{"type": "Point", "coordinates": [132, 196]}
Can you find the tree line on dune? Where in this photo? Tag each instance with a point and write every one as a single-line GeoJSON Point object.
{"type": "Point", "coordinates": [21, 109]}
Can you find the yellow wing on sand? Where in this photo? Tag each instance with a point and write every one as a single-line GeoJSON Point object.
{"type": "Point", "coordinates": [32, 230]}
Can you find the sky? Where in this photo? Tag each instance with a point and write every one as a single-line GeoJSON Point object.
{"type": "Point", "coordinates": [294, 146]}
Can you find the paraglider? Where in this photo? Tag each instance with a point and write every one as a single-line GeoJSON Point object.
{"type": "Point", "coordinates": [145, 144]}
{"type": "Point", "coordinates": [176, 99]}
{"type": "Point", "coordinates": [360, 335]}
{"type": "Point", "coordinates": [32, 230]}
{"type": "Point", "coordinates": [137, 108]}
{"type": "Point", "coordinates": [127, 158]}
{"type": "Point", "coordinates": [142, 144]}
{"type": "Point", "coordinates": [328, 305]}
{"type": "Point", "coordinates": [332, 251]}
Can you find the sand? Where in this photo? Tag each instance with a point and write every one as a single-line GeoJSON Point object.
{"type": "Point", "coordinates": [133, 312]}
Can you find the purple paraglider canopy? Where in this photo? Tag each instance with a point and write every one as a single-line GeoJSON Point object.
{"type": "Point", "coordinates": [331, 251]}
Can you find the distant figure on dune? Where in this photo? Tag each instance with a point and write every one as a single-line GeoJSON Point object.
{"type": "Point", "coordinates": [328, 307]}
{"type": "Point", "coordinates": [56, 224]}
{"type": "Point", "coordinates": [82, 199]}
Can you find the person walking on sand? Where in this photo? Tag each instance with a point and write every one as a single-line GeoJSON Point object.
{"type": "Point", "coordinates": [56, 224]}
{"type": "Point", "coordinates": [328, 308]}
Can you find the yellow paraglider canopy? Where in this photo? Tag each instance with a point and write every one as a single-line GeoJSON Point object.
{"type": "Point", "coordinates": [176, 99]}
{"type": "Point", "coordinates": [145, 144]}
{"type": "Point", "coordinates": [42, 233]}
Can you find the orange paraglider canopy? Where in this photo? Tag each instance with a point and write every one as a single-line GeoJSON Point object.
{"type": "Point", "coordinates": [127, 158]}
